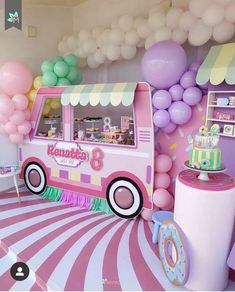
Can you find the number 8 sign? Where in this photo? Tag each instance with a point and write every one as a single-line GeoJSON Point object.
{"type": "Point", "coordinates": [97, 157]}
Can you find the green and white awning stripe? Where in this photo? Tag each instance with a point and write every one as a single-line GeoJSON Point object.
{"type": "Point", "coordinates": [218, 66]}
{"type": "Point", "coordinates": [103, 94]}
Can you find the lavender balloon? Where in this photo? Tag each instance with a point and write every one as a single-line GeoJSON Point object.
{"type": "Point", "coordinates": [162, 99]}
{"type": "Point", "coordinates": [194, 66]}
{"type": "Point", "coordinates": [188, 79]}
{"type": "Point", "coordinates": [163, 64]}
{"type": "Point", "coordinates": [180, 112]}
{"type": "Point", "coordinates": [161, 118]}
{"type": "Point", "coordinates": [170, 128]}
{"type": "Point", "coordinates": [176, 91]}
{"type": "Point", "coordinates": [192, 96]}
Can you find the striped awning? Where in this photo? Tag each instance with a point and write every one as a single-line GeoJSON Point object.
{"type": "Point", "coordinates": [218, 66]}
{"type": "Point", "coordinates": [103, 94]}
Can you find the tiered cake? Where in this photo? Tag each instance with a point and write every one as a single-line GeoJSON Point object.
{"type": "Point", "coordinates": [205, 154]}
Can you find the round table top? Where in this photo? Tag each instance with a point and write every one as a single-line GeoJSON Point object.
{"type": "Point", "coordinates": [216, 182]}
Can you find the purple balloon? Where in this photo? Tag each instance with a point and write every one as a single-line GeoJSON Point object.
{"type": "Point", "coordinates": [180, 112]}
{"type": "Point", "coordinates": [163, 64]}
{"type": "Point", "coordinates": [161, 118]}
{"type": "Point", "coordinates": [176, 91]}
{"type": "Point", "coordinates": [162, 99]}
{"type": "Point", "coordinates": [170, 128]}
{"type": "Point", "coordinates": [192, 96]}
{"type": "Point", "coordinates": [188, 79]}
{"type": "Point", "coordinates": [194, 66]}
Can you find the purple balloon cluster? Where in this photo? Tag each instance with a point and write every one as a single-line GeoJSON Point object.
{"type": "Point", "coordinates": [172, 107]}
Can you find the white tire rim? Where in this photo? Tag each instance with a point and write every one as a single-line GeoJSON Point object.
{"type": "Point", "coordinates": [40, 187]}
{"type": "Point", "coordinates": [136, 198]}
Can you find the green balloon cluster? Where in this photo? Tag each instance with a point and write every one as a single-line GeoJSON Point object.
{"type": "Point", "coordinates": [61, 71]}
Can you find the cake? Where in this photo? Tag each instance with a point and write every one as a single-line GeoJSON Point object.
{"type": "Point", "coordinates": [205, 154]}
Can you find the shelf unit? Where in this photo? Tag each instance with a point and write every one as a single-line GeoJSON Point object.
{"type": "Point", "coordinates": [212, 106]}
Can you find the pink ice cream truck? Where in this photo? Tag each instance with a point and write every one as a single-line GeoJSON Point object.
{"type": "Point", "coordinates": [93, 139]}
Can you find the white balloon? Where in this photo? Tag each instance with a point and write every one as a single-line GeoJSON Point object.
{"type": "Point", "coordinates": [198, 7]}
{"type": "Point", "coordinates": [97, 31]}
{"type": "Point", "coordinates": [173, 16]}
{"type": "Point", "coordinates": [84, 34]}
{"type": "Point", "coordinates": [92, 63]}
{"type": "Point", "coordinates": [99, 57]}
{"type": "Point", "coordinates": [156, 20]}
{"type": "Point", "coordinates": [126, 22]}
{"type": "Point", "coordinates": [116, 36]}
{"type": "Point", "coordinates": [81, 53]}
{"type": "Point", "coordinates": [230, 12]}
{"type": "Point", "coordinates": [115, 23]}
{"type": "Point", "coordinates": [99, 41]}
{"type": "Point", "coordinates": [150, 41]}
{"type": "Point", "coordinates": [128, 52]}
{"type": "Point", "coordinates": [180, 36]}
{"type": "Point", "coordinates": [223, 32]}
{"type": "Point", "coordinates": [82, 63]}
{"type": "Point", "coordinates": [163, 34]}
{"type": "Point", "coordinates": [213, 14]}
{"type": "Point", "coordinates": [199, 33]}
{"type": "Point", "coordinates": [72, 42]}
{"type": "Point", "coordinates": [89, 46]}
{"type": "Point", "coordinates": [104, 50]}
{"type": "Point", "coordinates": [186, 20]}
{"type": "Point", "coordinates": [106, 36]}
{"type": "Point", "coordinates": [113, 52]}
{"type": "Point", "coordinates": [143, 29]}
{"type": "Point", "coordinates": [132, 38]}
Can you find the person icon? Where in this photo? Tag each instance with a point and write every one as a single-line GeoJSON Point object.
{"type": "Point", "coordinates": [19, 272]}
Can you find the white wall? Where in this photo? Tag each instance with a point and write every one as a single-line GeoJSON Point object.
{"type": "Point", "coordinates": [52, 23]}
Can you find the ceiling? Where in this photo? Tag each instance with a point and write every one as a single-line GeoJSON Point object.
{"type": "Point", "coordinates": [54, 2]}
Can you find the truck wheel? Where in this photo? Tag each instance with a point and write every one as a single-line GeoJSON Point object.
{"type": "Point", "coordinates": [124, 198]}
{"type": "Point", "coordinates": [35, 178]}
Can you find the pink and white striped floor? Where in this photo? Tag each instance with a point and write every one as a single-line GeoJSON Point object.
{"type": "Point", "coordinates": [67, 248]}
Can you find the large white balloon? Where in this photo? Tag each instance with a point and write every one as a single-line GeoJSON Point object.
{"type": "Point", "coordinates": [80, 53]}
{"type": "Point", "coordinates": [186, 20]}
{"type": "Point", "coordinates": [132, 38]}
{"type": "Point", "coordinates": [199, 33]}
{"type": "Point", "coordinates": [156, 20]}
{"type": "Point", "coordinates": [128, 52]}
{"type": "Point", "coordinates": [150, 41]}
{"type": "Point", "coordinates": [230, 12]}
{"type": "Point", "coordinates": [97, 31]}
{"type": "Point", "coordinates": [99, 57]}
{"type": "Point", "coordinates": [223, 32]}
{"type": "Point", "coordinates": [126, 22]}
{"type": "Point", "coordinates": [163, 34]}
{"type": "Point", "coordinates": [84, 34]}
{"type": "Point", "coordinates": [113, 52]}
{"type": "Point", "coordinates": [180, 36]}
{"type": "Point", "coordinates": [89, 46]}
{"type": "Point", "coordinates": [72, 42]}
{"type": "Point", "coordinates": [91, 62]}
{"type": "Point", "coordinates": [106, 36]}
{"type": "Point", "coordinates": [143, 29]}
{"type": "Point", "coordinates": [99, 41]}
{"type": "Point", "coordinates": [116, 36]}
{"type": "Point", "coordinates": [173, 16]}
{"type": "Point", "coordinates": [197, 7]}
{"type": "Point", "coordinates": [213, 14]}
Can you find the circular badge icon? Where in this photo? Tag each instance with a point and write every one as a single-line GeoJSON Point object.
{"type": "Point", "coordinates": [19, 271]}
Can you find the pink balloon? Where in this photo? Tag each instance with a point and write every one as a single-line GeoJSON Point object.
{"type": "Point", "coordinates": [18, 117]}
{"type": "Point", "coordinates": [24, 128]}
{"type": "Point", "coordinates": [20, 101]}
{"type": "Point", "coordinates": [163, 163]}
{"type": "Point", "coordinates": [162, 181]}
{"type": "Point", "coordinates": [171, 204]}
{"type": "Point", "coordinates": [3, 119]}
{"type": "Point", "coordinates": [146, 214]}
{"type": "Point", "coordinates": [15, 78]}
{"type": "Point", "coordinates": [6, 105]}
{"type": "Point", "coordinates": [161, 198]}
{"type": "Point", "coordinates": [10, 128]}
{"type": "Point", "coordinates": [16, 138]}
{"type": "Point", "coordinates": [27, 114]}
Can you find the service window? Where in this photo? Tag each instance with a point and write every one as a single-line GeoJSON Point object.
{"type": "Point", "coordinates": [109, 124]}
{"type": "Point", "coordinates": [50, 123]}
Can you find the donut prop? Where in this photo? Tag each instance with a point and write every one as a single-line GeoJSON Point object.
{"type": "Point", "coordinates": [173, 251]}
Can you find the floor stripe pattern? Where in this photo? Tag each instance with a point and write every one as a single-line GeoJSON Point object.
{"type": "Point", "coordinates": [67, 248]}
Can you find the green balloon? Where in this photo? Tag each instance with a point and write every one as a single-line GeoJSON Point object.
{"type": "Point", "coordinates": [73, 72]}
{"type": "Point", "coordinates": [78, 79]}
{"type": "Point", "coordinates": [61, 69]}
{"type": "Point", "coordinates": [49, 79]}
{"type": "Point", "coordinates": [56, 59]}
{"type": "Point", "coordinates": [63, 82]}
{"type": "Point", "coordinates": [47, 66]}
{"type": "Point", "coordinates": [71, 60]}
